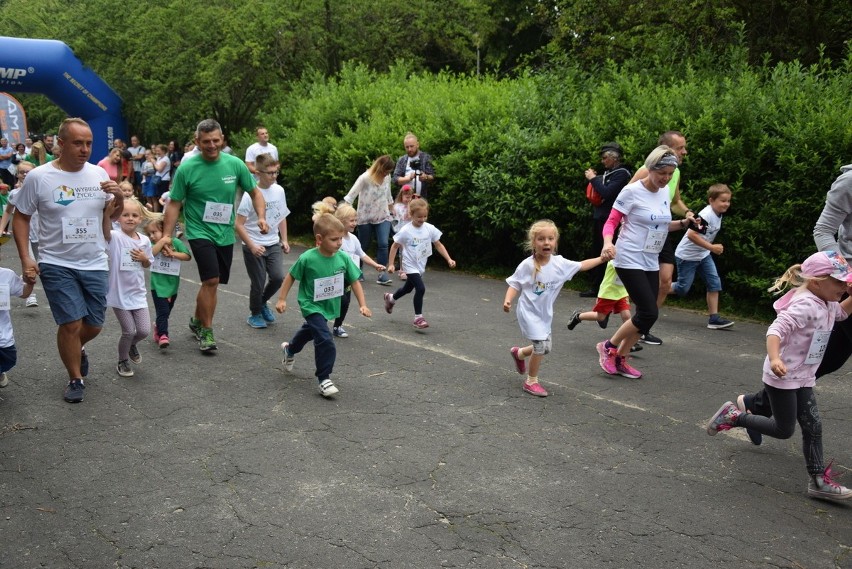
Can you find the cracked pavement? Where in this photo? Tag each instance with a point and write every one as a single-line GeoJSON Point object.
{"type": "Point", "coordinates": [430, 456]}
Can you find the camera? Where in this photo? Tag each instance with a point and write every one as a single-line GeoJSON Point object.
{"type": "Point", "coordinates": [414, 163]}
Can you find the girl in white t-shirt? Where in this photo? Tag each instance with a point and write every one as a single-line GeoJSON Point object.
{"type": "Point", "coordinates": [538, 280]}
{"type": "Point", "coordinates": [415, 240]}
{"type": "Point", "coordinates": [129, 254]}
{"type": "Point", "coordinates": [352, 247]}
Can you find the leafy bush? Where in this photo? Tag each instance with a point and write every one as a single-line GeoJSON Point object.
{"type": "Point", "coordinates": [510, 151]}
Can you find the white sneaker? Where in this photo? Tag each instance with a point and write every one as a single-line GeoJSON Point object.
{"type": "Point", "coordinates": [327, 388]}
{"type": "Point", "coordinates": [32, 301]}
{"type": "Point", "coordinates": [4, 380]}
{"type": "Point", "coordinates": [289, 359]}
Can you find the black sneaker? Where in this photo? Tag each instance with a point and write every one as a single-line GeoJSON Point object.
{"type": "Point", "coordinates": [650, 339]}
{"type": "Point", "coordinates": [636, 348]}
{"type": "Point", "coordinates": [575, 319]}
{"type": "Point", "coordinates": [134, 354]}
{"type": "Point", "coordinates": [605, 322]}
{"type": "Point", "coordinates": [74, 391]}
{"type": "Point", "coordinates": [84, 363]}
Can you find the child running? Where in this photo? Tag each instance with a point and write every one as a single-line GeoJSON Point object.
{"type": "Point", "coordinates": [10, 284]}
{"type": "Point", "coordinates": [693, 252]}
{"type": "Point", "coordinates": [165, 277]}
{"type": "Point", "coordinates": [401, 217]}
{"type": "Point", "coordinates": [129, 253]}
{"type": "Point", "coordinates": [538, 280]}
{"type": "Point", "coordinates": [5, 222]}
{"type": "Point", "coordinates": [415, 240]}
{"type": "Point", "coordinates": [323, 272]}
{"type": "Point", "coordinates": [352, 247]}
{"type": "Point", "coordinates": [263, 253]}
{"type": "Point", "coordinates": [612, 298]}
{"type": "Point", "coordinates": [795, 344]}
{"type": "Point", "coordinates": [127, 191]}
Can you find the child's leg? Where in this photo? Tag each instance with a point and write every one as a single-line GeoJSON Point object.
{"type": "Point", "coordinates": [325, 351]}
{"type": "Point", "coordinates": [274, 272]}
{"type": "Point", "coordinates": [416, 281]}
{"type": "Point", "coordinates": [128, 332]}
{"type": "Point", "coordinates": [403, 290]}
{"type": "Point", "coordinates": [713, 283]}
{"type": "Point", "coordinates": [685, 276]}
{"type": "Point", "coordinates": [785, 410]}
{"type": "Point", "coordinates": [713, 303]}
{"type": "Point", "coordinates": [592, 315]}
{"type": "Point", "coordinates": [344, 308]}
{"type": "Point", "coordinates": [256, 269]}
{"type": "Point", "coordinates": [8, 358]}
{"type": "Point", "coordinates": [625, 315]}
{"type": "Point", "coordinates": [142, 324]}
{"type": "Point", "coordinates": [811, 424]}
{"type": "Point", "coordinates": [302, 336]}
{"type": "Point", "coordinates": [162, 310]}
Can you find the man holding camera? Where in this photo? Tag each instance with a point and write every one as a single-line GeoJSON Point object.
{"type": "Point", "coordinates": [415, 167]}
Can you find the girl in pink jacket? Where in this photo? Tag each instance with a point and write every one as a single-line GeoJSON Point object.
{"type": "Point", "coordinates": [795, 344]}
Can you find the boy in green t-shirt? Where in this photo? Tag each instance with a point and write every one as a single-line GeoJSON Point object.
{"type": "Point", "coordinates": [323, 273]}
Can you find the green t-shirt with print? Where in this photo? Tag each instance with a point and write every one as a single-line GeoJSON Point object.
{"type": "Point", "coordinates": [167, 285]}
{"type": "Point", "coordinates": [320, 279]}
{"type": "Point", "coordinates": [208, 191]}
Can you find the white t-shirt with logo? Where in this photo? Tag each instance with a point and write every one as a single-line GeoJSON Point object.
{"type": "Point", "coordinates": [647, 216]}
{"type": "Point", "coordinates": [127, 277]}
{"type": "Point", "coordinates": [416, 245]}
{"type": "Point", "coordinates": [689, 251]}
{"type": "Point", "coordinates": [70, 207]}
{"type": "Point", "coordinates": [13, 198]}
{"type": "Point", "coordinates": [538, 292]}
{"type": "Point", "coordinates": [276, 212]}
{"type": "Point", "coordinates": [352, 247]}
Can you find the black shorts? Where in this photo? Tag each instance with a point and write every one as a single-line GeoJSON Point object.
{"type": "Point", "coordinates": [214, 261]}
{"type": "Point", "coordinates": [667, 255]}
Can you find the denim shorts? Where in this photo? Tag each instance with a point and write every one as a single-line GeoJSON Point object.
{"type": "Point", "coordinates": [74, 294]}
{"type": "Point", "coordinates": [686, 274]}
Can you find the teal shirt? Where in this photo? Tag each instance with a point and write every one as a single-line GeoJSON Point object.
{"type": "Point", "coordinates": [312, 266]}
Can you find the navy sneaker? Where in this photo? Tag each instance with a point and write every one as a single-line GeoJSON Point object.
{"type": "Point", "coordinates": [74, 391]}
{"type": "Point", "coordinates": [650, 339]}
{"type": "Point", "coordinates": [84, 363]}
{"type": "Point", "coordinates": [716, 322]}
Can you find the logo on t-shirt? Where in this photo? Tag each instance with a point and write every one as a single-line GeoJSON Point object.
{"type": "Point", "coordinates": [63, 195]}
{"type": "Point", "coordinates": [229, 179]}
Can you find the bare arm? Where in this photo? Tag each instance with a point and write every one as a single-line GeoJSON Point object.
{"type": "Point", "coordinates": [392, 256]}
{"type": "Point", "coordinates": [511, 294]}
{"type": "Point", "coordinates": [10, 209]}
{"type": "Point", "coordinates": [439, 247]}
{"type": "Point", "coordinates": [282, 232]}
{"type": "Point", "coordinates": [281, 305]}
{"type": "Point", "coordinates": [696, 238]}
{"type": "Point", "coordinates": [358, 291]}
{"type": "Point", "coordinates": [240, 226]}
{"type": "Point", "coordinates": [369, 260]}
{"type": "Point", "coordinates": [169, 220]}
{"type": "Point", "coordinates": [259, 205]}
{"type": "Point", "coordinates": [21, 232]}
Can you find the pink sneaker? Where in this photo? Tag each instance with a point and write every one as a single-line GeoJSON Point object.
{"type": "Point", "coordinates": [535, 389]}
{"type": "Point", "coordinates": [724, 419]}
{"type": "Point", "coordinates": [625, 369]}
{"type": "Point", "coordinates": [163, 341]}
{"type": "Point", "coordinates": [520, 364]}
{"type": "Point", "coordinates": [420, 323]}
{"type": "Point", "coordinates": [388, 302]}
{"type": "Point", "coordinates": [606, 358]}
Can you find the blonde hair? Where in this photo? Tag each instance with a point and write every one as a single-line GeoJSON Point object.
{"type": "Point", "coordinates": [344, 210]}
{"type": "Point", "coordinates": [418, 204]}
{"type": "Point", "coordinates": [792, 278]}
{"type": "Point", "coordinates": [147, 214]}
{"type": "Point", "coordinates": [381, 167]}
{"type": "Point", "coordinates": [534, 230]}
{"type": "Point", "coordinates": [325, 223]}
{"type": "Point", "coordinates": [320, 208]}
{"type": "Point", "coordinates": [657, 154]}
{"type": "Point", "coordinates": [125, 184]}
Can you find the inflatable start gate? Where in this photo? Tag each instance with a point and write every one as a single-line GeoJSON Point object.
{"type": "Point", "coordinates": [50, 67]}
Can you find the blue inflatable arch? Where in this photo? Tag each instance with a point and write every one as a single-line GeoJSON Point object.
{"type": "Point", "coordinates": [50, 67]}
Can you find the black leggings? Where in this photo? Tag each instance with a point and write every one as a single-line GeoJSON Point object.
{"type": "Point", "coordinates": [413, 282]}
{"type": "Point", "coordinates": [344, 308]}
{"type": "Point", "coordinates": [790, 406]}
{"type": "Point", "coordinates": [642, 286]}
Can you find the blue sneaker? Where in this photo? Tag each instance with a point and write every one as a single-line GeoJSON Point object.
{"type": "Point", "coordinates": [267, 313]}
{"type": "Point", "coordinates": [74, 391]}
{"type": "Point", "coordinates": [84, 364]}
{"type": "Point", "coordinates": [716, 322]}
{"type": "Point", "coordinates": [256, 321]}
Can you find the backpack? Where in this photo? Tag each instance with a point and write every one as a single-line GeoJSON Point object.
{"type": "Point", "coordinates": [593, 196]}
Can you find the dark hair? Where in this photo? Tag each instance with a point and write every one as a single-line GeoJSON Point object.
{"type": "Point", "coordinates": [207, 126]}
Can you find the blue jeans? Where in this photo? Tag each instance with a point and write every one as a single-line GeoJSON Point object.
{"type": "Point", "coordinates": [686, 274]}
{"type": "Point", "coordinates": [382, 232]}
{"type": "Point", "coordinates": [316, 328]}
{"type": "Point", "coordinates": [163, 309]}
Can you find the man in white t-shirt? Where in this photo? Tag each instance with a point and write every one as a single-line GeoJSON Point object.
{"type": "Point", "coordinates": [74, 201]}
{"type": "Point", "coordinates": [262, 146]}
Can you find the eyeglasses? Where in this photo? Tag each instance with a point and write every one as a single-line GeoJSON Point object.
{"type": "Point", "coordinates": [270, 172]}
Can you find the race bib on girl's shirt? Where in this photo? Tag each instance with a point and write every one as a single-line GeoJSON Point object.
{"type": "Point", "coordinates": [818, 345]}
{"type": "Point", "coordinates": [166, 266]}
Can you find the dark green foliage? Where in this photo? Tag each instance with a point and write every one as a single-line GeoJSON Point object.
{"type": "Point", "coordinates": [508, 152]}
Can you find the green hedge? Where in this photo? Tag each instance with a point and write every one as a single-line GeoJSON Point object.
{"type": "Point", "coordinates": [510, 151]}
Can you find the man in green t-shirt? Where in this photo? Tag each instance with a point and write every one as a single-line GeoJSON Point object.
{"type": "Point", "coordinates": [206, 186]}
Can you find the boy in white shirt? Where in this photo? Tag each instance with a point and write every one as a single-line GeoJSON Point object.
{"type": "Point", "coordinates": [10, 284]}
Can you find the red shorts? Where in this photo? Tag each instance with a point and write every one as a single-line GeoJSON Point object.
{"type": "Point", "coordinates": [605, 305]}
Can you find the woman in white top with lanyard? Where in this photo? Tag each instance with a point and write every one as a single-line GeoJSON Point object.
{"type": "Point", "coordinates": [645, 212]}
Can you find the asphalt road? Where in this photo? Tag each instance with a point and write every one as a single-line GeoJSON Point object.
{"type": "Point", "coordinates": [430, 456]}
